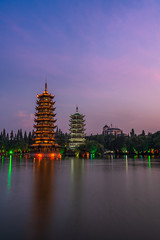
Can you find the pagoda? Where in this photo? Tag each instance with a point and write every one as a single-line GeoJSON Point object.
{"type": "Point", "coordinates": [77, 135]}
{"type": "Point", "coordinates": [44, 140]}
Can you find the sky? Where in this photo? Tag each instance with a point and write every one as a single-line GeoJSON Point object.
{"type": "Point", "coordinates": [102, 55]}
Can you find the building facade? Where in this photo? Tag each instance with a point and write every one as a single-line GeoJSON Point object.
{"type": "Point", "coordinates": [112, 131]}
{"type": "Point", "coordinates": [44, 127]}
{"type": "Point", "coordinates": [77, 130]}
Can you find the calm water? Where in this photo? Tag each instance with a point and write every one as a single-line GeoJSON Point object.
{"type": "Point", "coordinates": [79, 199]}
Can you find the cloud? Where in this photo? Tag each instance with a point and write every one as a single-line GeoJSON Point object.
{"type": "Point", "coordinates": [26, 119]}
{"type": "Point", "coordinates": [21, 114]}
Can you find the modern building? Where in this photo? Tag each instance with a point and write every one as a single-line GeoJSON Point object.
{"type": "Point", "coordinates": [77, 131]}
{"type": "Point", "coordinates": [112, 131]}
{"type": "Point", "coordinates": [44, 132]}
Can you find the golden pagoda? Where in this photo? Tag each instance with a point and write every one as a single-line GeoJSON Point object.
{"type": "Point", "coordinates": [44, 140]}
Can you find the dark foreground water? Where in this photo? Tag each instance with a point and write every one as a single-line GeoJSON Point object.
{"type": "Point", "coordinates": [79, 199]}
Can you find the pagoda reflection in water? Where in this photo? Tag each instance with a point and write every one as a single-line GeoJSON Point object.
{"type": "Point", "coordinates": [44, 140]}
{"type": "Point", "coordinates": [43, 199]}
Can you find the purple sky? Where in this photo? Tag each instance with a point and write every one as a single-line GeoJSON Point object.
{"type": "Point", "coordinates": [102, 55]}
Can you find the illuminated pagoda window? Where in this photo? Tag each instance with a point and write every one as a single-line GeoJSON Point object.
{"type": "Point", "coordinates": [77, 131]}
{"type": "Point", "coordinates": [44, 140]}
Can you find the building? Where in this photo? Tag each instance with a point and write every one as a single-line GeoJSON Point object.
{"type": "Point", "coordinates": [112, 131]}
{"type": "Point", "coordinates": [77, 135]}
{"type": "Point", "coordinates": [44, 132]}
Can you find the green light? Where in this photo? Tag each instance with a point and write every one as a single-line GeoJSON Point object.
{"type": "Point", "coordinates": [61, 151]}
{"type": "Point", "coordinates": [93, 149]}
{"type": "Point", "coordinates": [10, 152]}
{"type": "Point", "coordinates": [20, 159]}
{"type": "Point", "coordinates": [149, 161]}
{"type": "Point", "coordinates": [124, 150]}
{"type": "Point", "coordinates": [9, 171]}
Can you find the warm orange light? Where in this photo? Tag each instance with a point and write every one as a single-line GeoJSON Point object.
{"type": "Point", "coordinates": [52, 155]}
{"type": "Point", "coordinates": [39, 155]}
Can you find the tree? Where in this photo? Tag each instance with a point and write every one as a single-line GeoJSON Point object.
{"type": "Point", "coordinates": [4, 133]}
{"type": "Point", "coordinates": [92, 147]}
{"type": "Point", "coordinates": [11, 135]}
{"type": "Point", "coordinates": [143, 133]}
{"type": "Point", "coordinates": [25, 137]}
{"type": "Point", "coordinates": [132, 133]}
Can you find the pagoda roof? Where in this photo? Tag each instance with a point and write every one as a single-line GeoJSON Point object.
{"type": "Point", "coordinates": [43, 125]}
{"type": "Point", "coordinates": [45, 93]}
{"type": "Point", "coordinates": [77, 115]}
{"type": "Point", "coordinates": [45, 131]}
{"type": "Point", "coordinates": [45, 113]}
{"type": "Point", "coordinates": [45, 106]}
{"type": "Point", "coordinates": [81, 123]}
{"type": "Point", "coordinates": [77, 125]}
{"type": "Point", "coordinates": [42, 144]}
{"type": "Point", "coordinates": [45, 119]}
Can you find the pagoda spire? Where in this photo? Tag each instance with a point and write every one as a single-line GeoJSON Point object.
{"type": "Point", "coordinates": [76, 108]}
{"type": "Point", "coordinates": [46, 86]}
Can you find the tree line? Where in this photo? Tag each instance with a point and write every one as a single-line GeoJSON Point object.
{"type": "Point", "coordinates": [20, 141]}
{"type": "Point", "coordinates": [127, 144]}
{"type": "Point", "coordinates": [15, 142]}
{"type": "Point", "coordinates": [95, 144]}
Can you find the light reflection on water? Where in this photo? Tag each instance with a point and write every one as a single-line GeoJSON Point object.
{"type": "Point", "coordinates": [43, 198]}
{"type": "Point", "coordinates": [79, 198]}
{"type": "Point", "coordinates": [9, 171]}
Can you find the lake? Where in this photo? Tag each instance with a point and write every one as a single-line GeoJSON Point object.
{"type": "Point", "coordinates": [79, 198]}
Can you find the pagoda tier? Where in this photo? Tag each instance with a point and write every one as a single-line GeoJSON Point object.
{"type": "Point", "coordinates": [78, 135]}
{"type": "Point", "coordinates": [50, 113]}
{"type": "Point", "coordinates": [40, 120]}
{"type": "Point", "coordinates": [43, 125]}
{"type": "Point", "coordinates": [45, 101]}
{"type": "Point", "coordinates": [44, 134]}
{"type": "Point", "coordinates": [45, 107]}
{"type": "Point", "coordinates": [77, 130]}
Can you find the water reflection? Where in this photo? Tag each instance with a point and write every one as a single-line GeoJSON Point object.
{"type": "Point", "coordinates": [126, 164]}
{"type": "Point", "coordinates": [20, 159]}
{"type": "Point", "coordinates": [42, 197]}
{"type": "Point", "coordinates": [77, 170]}
{"type": "Point", "coordinates": [2, 161]}
{"type": "Point", "coordinates": [149, 161]}
{"type": "Point", "coordinates": [77, 195]}
{"type": "Point", "coordinates": [9, 172]}
{"type": "Point", "coordinates": [82, 199]}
